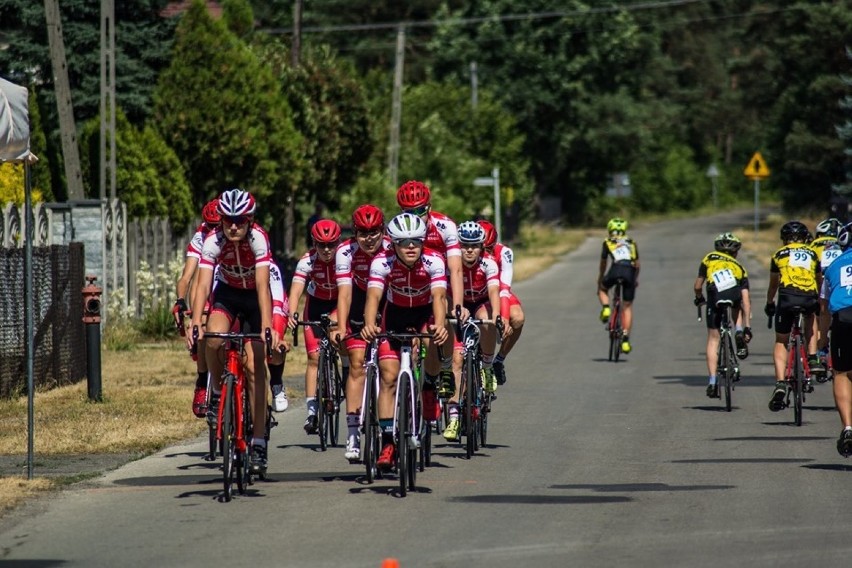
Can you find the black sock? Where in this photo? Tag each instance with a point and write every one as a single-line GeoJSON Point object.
{"type": "Point", "coordinates": [201, 381]}
{"type": "Point", "coordinates": [275, 374]}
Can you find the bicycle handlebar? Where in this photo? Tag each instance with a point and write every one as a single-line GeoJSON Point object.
{"type": "Point", "coordinates": [266, 336]}
{"type": "Point", "coordinates": [325, 323]}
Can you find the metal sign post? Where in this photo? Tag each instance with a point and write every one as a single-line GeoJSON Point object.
{"type": "Point", "coordinates": [713, 173]}
{"type": "Point", "coordinates": [493, 181]}
{"type": "Point", "coordinates": [757, 169]}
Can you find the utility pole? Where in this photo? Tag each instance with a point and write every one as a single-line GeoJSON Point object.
{"type": "Point", "coordinates": [396, 109]}
{"type": "Point", "coordinates": [107, 153]}
{"type": "Point", "coordinates": [68, 130]}
{"type": "Point", "coordinates": [474, 86]}
{"type": "Point", "coordinates": [290, 206]}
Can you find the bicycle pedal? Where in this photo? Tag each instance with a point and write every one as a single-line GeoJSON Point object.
{"type": "Point", "coordinates": [273, 423]}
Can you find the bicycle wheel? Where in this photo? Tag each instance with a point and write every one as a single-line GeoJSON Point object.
{"type": "Point", "coordinates": [619, 331]}
{"type": "Point", "coordinates": [483, 424]}
{"type": "Point", "coordinates": [796, 383]}
{"type": "Point", "coordinates": [228, 450]}
{"type": "Point", "coordinates": [335, 398]}
{"type": "Point", "coordinates": [728, 361]}
{"type": "Point", "coordinates": [403, 464]}
{"type": "Point", "coordinates": [469, 399]}
{"type": "Point", "coordinates": [322, 396]}
{"type": "Point", "coordinates": [372, 433]}
{"type": "Point", "coordinates": [243, 456]}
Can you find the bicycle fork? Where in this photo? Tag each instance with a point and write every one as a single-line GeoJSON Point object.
{"type": "Point", "coordinates": [406, 374]}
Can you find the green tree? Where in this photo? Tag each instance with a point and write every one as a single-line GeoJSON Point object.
{"type": "Point", "coordinates": [220, 108]}
{"type": "Point", "coordinates": [149, 177]}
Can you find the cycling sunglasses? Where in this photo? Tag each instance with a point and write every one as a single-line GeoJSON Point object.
{"type": "Point", "coordinates": [236, 220]}
{"type": "Point", "coordinates": [406, 243]}
{"type": "Point", "coordinates": [331, 245]}
{"type": "Point", "coordinates": [419, 211]}
{"type": "Point", "coordinates": [368, 234]}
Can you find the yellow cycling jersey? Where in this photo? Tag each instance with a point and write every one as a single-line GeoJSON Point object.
{"type": "Point", "coordinates": [798, 266]}
{"type": "Point", "coordinates": [826, 249]}
{"type": "Point", "coordinates": [722, 272]}
{"type": "Point", "coordinates": [621, 249]}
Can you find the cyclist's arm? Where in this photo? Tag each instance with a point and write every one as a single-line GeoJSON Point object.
{"type": "Point", "coordinates": [183, 282]}
{"type": "Point", "coordinates": [344, 301]}
{"type": "Point", "coordinates": [371, 310]}
{"type": "Point", "coordinates": [199, 297]}
{"type": "Point", "coordinates": [297, 287]}
{"type": "Point", "coordinates": [746, 307]}
{"type": "Point", "coordinates": [454, 265]}
{"type": "Point", "coordinates": [602, 268]}
{"type": "Point", "coordinates": [774, 281]}
{"type": "Point", "coordinates": [264, 297]}
{"type": "Point", "coordinates": [439, 314]}
{"type": "Point", "coordinates": [636, 264]}
{"type": "Point", "coordinates": [697, 287]}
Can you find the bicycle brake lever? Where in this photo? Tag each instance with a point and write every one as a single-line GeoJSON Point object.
{"type": "Point", "coordinates": [194, 349]}
{"type": "Point", "coordinates": [267, 335]}
{"type": "Point", "coordinates": [295, 316]}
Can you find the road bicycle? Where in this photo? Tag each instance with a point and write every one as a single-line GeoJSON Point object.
{"type": "Point", "coordinates": [233, 414]}
{"type": "Point", "coordinates": [797, 373]}
{"type": "Point", "coordinates": [330, 391]}
{"type": "Point", "coordinates": [614, 326]}
{"type": "Point", "coordinates": [370, 413]}
{"type": "Point", "coordinates": [475, 402]}
{"type": "Point", "coordinates": [727, 364]}
{"type": "Point", "coordinates": [408, 411]}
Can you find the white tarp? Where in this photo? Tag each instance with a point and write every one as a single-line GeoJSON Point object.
{"type": "Point", "coordinates": [14, 122]}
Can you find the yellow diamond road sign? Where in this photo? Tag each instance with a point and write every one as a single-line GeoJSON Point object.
{"type": "Point", "coordinates": [757, 168]}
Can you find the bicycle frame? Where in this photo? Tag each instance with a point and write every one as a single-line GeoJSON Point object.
{"type": "Point", "coordinates": [726, 357]}
{"type": "Point", "coordinates": [797, 371]}
{"type": "Point", "coordinates": [614, 327]}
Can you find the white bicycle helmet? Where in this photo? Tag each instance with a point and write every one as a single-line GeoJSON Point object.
{"type": "Point", "coordinates": [471, 233]}
{"type": "Point", "coordinates": [828, 228]}
{"type": "Point", "coordinates": [235, 202]}
{"type": "Point", "coordinates": [406, 226]}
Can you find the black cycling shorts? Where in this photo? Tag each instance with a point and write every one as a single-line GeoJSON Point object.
{"type": "Point", "coordinates": [714, 314]}
{"type": "Point", "coordinates": [626, 272]}
{"type": "Point", "coordinates": [841, 341]}
{"type": "Point", "coordinates": [237, 302]}
{"type": "Point", "coordinates": [783, 313]}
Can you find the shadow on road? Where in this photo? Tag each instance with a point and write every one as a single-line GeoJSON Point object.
{"type": "Point", "coordinates": [745, 460]}
{"type": "Point", "coordinates": [829, 466]}
{"type": "Point", "coordinates": [539, 499]}
{"type": "Point", "coordinates": [639, 487]}
{"type": "Point", "coordinates": [771, 438]}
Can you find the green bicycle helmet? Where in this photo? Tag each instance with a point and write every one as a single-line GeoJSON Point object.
{"type": "Point", "coordinates": [727, 242]}
{"type": "Point", "coordinates": [616, 225]}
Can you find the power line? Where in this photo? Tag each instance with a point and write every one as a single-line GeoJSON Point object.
{"type": "Point", "coordinates": [481, 19]}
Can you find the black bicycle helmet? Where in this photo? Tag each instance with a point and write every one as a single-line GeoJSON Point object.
{"type": "Point", "coordinates": [795, 231]}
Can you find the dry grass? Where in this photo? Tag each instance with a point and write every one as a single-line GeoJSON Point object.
{"type": "Point", "coordinates": [16, 490]}
{"type": "Point", "coordinates": [543, 245]}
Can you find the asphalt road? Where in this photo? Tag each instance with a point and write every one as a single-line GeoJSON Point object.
{"type": "Point", "coordinates": [591, 463]}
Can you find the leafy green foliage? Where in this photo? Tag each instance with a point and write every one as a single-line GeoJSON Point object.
{"type": "Point", "coordinates": [219, 107]}
{"type": "Point", "coordinates": [149, 177]}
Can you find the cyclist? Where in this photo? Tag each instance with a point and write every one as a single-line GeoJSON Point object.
{"type": "Point", "coordinates": [352, 271]}
{"type": "Point", "coordinates": [625, 264]}
{"type": "Point", "coordinates": [793, 275]}
{"type": "Point", "coordinates": [239, 252]}
{"type": "Point", "coordinates": [836, 299]}
{"type": "Point", "coordinates": [442, 236]}
{"type": "Point", "coordinates": [504, 257]}
{"type": "Point", "coordinates": [210, 219]}
{"type": "Point", "coordinates": [315, 273]}
{"type": "Point", "coordinates": [416, 283]}
{"type": "Point", "coordinates": [726, 279]}
{"type": "Point", "coordinates": [482, 299]}
{"type": "Point", "coordinates": [827, 249]}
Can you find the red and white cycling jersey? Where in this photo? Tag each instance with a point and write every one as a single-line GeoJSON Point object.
{"type": "Point", "coordinates": [236, 261]}
{"type": "Point", "coordinates": [193, 249]}
{"type": "Point", "coordinates": [353, 264]}
{"type": "Point", "coordinates": [280, 303]}
{"type": "Point", "coordinates": [319, 276]}
{"type": "Point", "coordinates": [504, 258]}
{"type": "Point", "coordinates": [408, 287]}
{"type": "Point", "coordinates": [442, 235]}
{"type": "Point", "coordinates": [478, 278]}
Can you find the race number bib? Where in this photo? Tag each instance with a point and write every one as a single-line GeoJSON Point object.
{"type": "Point", "coordinates": [800, 259]}
{"type": "Point", "coordinates": [846, 277]}
{"type": "Point", "coordinates": [621, 252]}
{"type": "Point", "coordinates": [828, 256]}
{"type": "Point", "coordinates": [724, 279]}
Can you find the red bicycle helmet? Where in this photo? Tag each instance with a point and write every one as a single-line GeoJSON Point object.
{"type": "Point", "coordinates": [413, 194]}
{"type": "Point", "coordinates": [490, 234]}
{"type": "Point", "coordinates": [325, 231]}
{"type": "Point", "coordinates": [368, 218]}
{"type": "Point", "coordinates": [210, 212]}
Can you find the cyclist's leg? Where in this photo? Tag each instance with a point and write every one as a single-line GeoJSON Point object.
{"type": "Point", "coordinates": [516, 320]}
{"type": "Point", "coordinates": [217, 322]}
{"type": "Point", "coordinates": [255, 366]}
{"type": "Point", "coordinates": [389, 371]}
{"type": "Point", "coordinates": [354, 395]}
